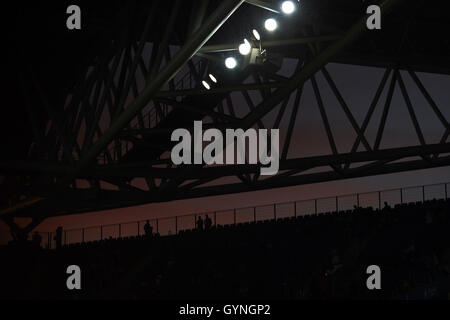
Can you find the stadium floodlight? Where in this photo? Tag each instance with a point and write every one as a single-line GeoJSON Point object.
{"type": "Point", "coordinates": [213, 79]}
{"type": "Point", "coordinates": [288, 7]}
{"type": "Point", "coordinates": [270, 24]}
{"type": "Point", "coordinates": [256, 34]}
{"type": "Point", "coordinates": [245, 48]}
{"type": "Point", "coordinates": [230, 63]}
{"type": "Point", "coordinates": [206, 85]}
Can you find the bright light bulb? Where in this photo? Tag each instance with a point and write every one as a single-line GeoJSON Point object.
{"type": "Point", "coordinates": [245, 48]}
{"type": "Point", "coordinates": [213, 79]}
{"type": "Point", "coordinates": [230, 63]}
{"type": "Point", "coordinates": [256, 34]}
{"type": "Point", "coordinates": [288, 7]}
{"type": "Point", "coordinates": [206, 85]}
{"type": "Point", "coordinates": [270, 24]}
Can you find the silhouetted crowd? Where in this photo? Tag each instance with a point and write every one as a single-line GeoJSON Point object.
{"type": "Point", "coordinates": [321, 256]}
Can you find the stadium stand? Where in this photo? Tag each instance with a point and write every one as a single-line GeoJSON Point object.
{"type": "Point", "coordinates": [321, 256]}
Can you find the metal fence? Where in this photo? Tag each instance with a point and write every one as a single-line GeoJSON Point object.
{"type": "Point", "coordinates": [173, 225]}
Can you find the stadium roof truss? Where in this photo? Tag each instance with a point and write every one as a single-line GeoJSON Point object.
{"type": "Point", "coordinates": [115, 124]}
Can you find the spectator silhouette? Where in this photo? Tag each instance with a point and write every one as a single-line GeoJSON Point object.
{"type": "Point", "coordinates": [58, 237]}
{"type": "Point", "coordinates": [208, 223]}
{"type": "Point", "coordinates": [418, 264]}
{"type": "Point", "coordinates": [148, 229]}
{"type": "Point", "coordinates": [199, 223]}
{"type": "Point", "coordinates": [37, 239]}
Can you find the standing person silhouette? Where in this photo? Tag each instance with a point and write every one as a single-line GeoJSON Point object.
{"type": "Point", "coordinates": [199, 223]}
{"type": "Point", "coordinates": [148, 230]}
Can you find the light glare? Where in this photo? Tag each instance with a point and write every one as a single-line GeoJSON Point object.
{"type": "Point", "coordinates": [230, 63]}
{"type": "Point", "coordinates": [288, 7]}
{"type": "Point", "coordinates": [270, 24]}
{"type": "Point", "coordinates": [256, 34]}
{"type": "Point", "coordinates": [213, 79]}
{"type": "Point", "coordinates": [206, 85]}
{"type": "Point", "coordinates": [245, 48]}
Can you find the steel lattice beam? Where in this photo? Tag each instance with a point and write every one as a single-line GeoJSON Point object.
{"type": "Point", "coordinates": [114, 77]}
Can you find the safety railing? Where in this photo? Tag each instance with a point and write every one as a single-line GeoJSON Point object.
{"type": "Point", "coordinates": [173, 225]}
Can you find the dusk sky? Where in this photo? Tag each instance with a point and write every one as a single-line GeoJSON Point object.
{"type": "Point", "coordinates": [357, 87]}
{"type": "Point", "coordinates": [199, 152]}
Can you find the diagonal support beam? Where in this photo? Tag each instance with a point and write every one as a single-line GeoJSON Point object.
{"type": "Point", "coordinates": [203, 34]}
{"type": "Point", "coordinates": [357, 30]}
{"type": "Point", "coordinates": [346, 109]}
{"type": "Point", "coordinates": [21, 233]}
{"type": "Point", "coordinates": [386, 108]}
{"type": "Point", "coordinates": [371, 110]}
{"type": "Point", "coordinates": [409, 105]}
{"type": "Point", "coordinates": [269, 6]}
{"type": "Point", "coordinates": [193, 44]}
{"type": "Point", "coordinates": [323, 115]}
{"type": "Point", "coordinates": [299, 78]}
